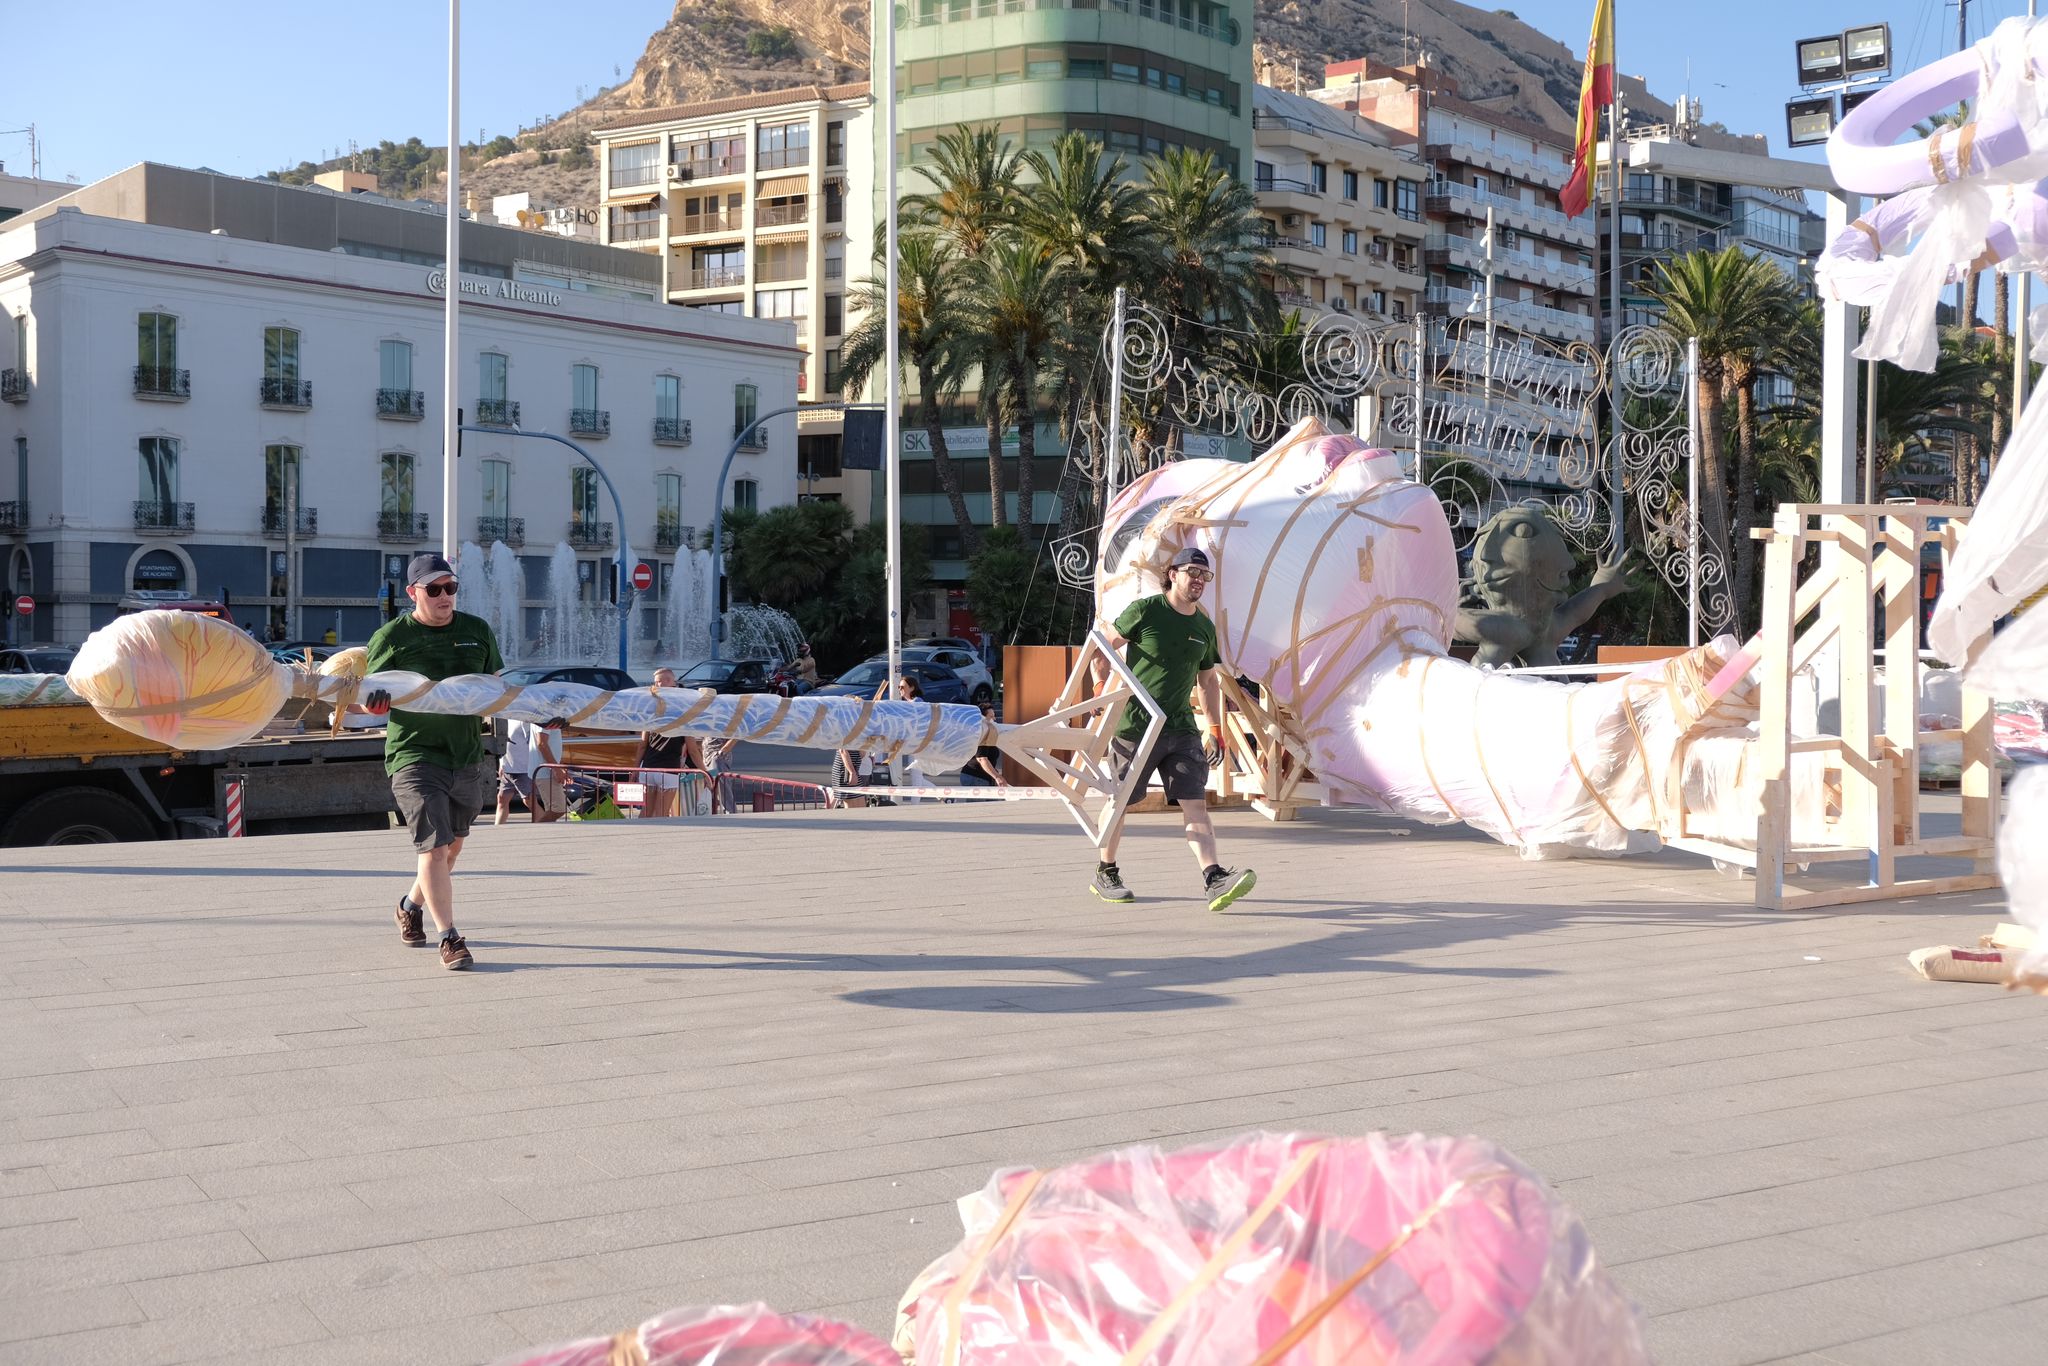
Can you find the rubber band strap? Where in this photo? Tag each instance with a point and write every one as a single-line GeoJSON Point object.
{"type": "Point", "coordinates": [255, 678]}
{"type": "Point", "coordinates": [1223, 1258]}
{"type": "Point", "coordinates": [965, 1280]}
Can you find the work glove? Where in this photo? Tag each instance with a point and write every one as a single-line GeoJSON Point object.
{"type": "Point", "coordinates": [377, 702]}
{"type": "Point", "coordinates": [1212, 749]}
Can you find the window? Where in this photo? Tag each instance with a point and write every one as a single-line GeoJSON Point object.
{"type": "Point", "coordinates": [1408, 199]}
{"type": "Point", "coordinates": [1044, 63]}
{"type": "Point", "coordinates": [714, 151]}
{"type": "Point", "coordinates": [1382, 194]}
{"type": "Point", "coordinates": [782, 303]}
{"type": "Point", "coordinates": [835, 314]}
{"type": "Point", "coordinates": [1351, 185]}
{"type": "Point", "coordinates": [835, 381]}
{"type": "Point", "coordinates": [397, 486]}
{"type": "Point", "coordinates": [582, 494]}
{"type": "Point", "coordinates": [1262, 174]}
{"type": "Point", "coordinates": [1480, 183]}
{"type": "Point", "coordinates": [490, 380]}
{"type": "Point", "coordinates": [634, 164]}
{"type": "Point", "coordinates": [779, 145]}
{"type": "Point", "coordinates": [746, 400]}
{"type": "Point", "coordinates": [1123, 71]}
{"type": "Point", "coordinates": [668, 398]}
{"type": "Point", "coordinates": [21, 343]}
{"type": "Point", "coordinates": [1379, 301]}
{"type": "Point", "coordinates": [583, 387]}
{"type": "Point", "coordinates": [157, 342]}
{"type": "Point", "coordinates": [280, 463]}
{"type": "Point", "coordinates": [1319, 234]}
{"type": "Point", "coordinates": [1089, 68]}
{"type": "Point", "coordinates": [1318, 176]}
{"type": "Point", "coordinates": [668, 508]}
{"type": "Point", "coordinates": [634, 222]}
{"type": "Point", "coordinates": [1350, 242]}
{"type": "Point", "coordinates": [835, 143]}
{"type": "Point", "coordinates": [497, 490]}
{"type": "Point", "coordinates": [746, 495]}
{"type": "Point", "coordinates": [394, 366]}
{"type": "Point", "coordinates": [158, 482]}
{"type": "Point", "coordinates": [782, 261]}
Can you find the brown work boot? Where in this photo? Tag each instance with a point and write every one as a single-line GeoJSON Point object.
{"type": "Point", "coordinates": [410, 929]}
{"type": "Point", "coordinates": [455, 954]}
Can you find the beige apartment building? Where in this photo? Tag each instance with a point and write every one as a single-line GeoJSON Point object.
{"type": "Point", "coordinates": [1343, 208]}
{"type": "Point", "coordinates": [757, 205]}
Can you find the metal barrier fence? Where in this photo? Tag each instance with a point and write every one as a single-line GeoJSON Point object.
{"type": "Point", "coordinates": [693, 793]}
{"type": "Point", "coordinates": [748, 792]}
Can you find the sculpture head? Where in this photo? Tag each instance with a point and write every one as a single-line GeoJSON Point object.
{"type": "Point", "coordinates": [1520, 563]}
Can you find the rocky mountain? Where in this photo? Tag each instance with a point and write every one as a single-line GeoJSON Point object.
{"type": "Point", "coordinates": [713, 48]}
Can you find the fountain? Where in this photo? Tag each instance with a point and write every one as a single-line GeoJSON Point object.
{"type": "Point", "coordinates": [756, 632]}
{"type": "Point", "coordinates": [493, 589]}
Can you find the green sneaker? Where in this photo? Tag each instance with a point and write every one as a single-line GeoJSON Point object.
{"type": "Point", "coordinates": [1227, 885]}
{"type": "Point", "coordinates": [1109, 885]}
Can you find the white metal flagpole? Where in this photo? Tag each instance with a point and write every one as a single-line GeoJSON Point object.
{"type": "Point", "coordinates": [1692, 491]}
{"type": "Point", "coordinates": [451, 289]}
{"type": "Point", "coordinates": [892, 419]}
{"type": "Point", "coordinates": [1111, 457]}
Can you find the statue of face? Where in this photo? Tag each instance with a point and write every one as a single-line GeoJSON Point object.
{"type": "Point", "coordinates": [1523, 562]}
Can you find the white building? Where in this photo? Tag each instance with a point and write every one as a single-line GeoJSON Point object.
{"type": "Point", "coordinates": [165, 384]}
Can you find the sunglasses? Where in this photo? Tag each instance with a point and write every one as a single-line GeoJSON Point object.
{"type": "Point", "coordinates": [1199, 575]}
{"type": "Point", "coordinates": [439, 590]}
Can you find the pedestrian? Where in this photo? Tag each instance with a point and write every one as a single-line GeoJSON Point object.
{"type": "Point", "coordinates": [1170, 645]}
{"type": "Point", "coordinates": [661, 761]}
{"type": "Point", "coordinates": [433, 760]}
{"type": "Point", "coordinates": [982, 770]}
{"type": "Point", "coordinates": [715, 751]}
{"type": "Point", "coordinates": [908, 689]}
{"type": "Point", "coordinates": [806, 667]}
{"type": "Point", "coordinates": [516, 775]}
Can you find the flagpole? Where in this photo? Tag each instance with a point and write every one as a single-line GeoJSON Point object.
{"type": "Point", "coordinates": [1614, 174]}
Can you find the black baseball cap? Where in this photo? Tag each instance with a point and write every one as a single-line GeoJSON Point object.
{"type": "Point", "coordinates": [425, 567]}
{"type": "Point", "coordinates": [1187, 555]}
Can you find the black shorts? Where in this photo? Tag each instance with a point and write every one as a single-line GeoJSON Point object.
{"type": "Point", "coordinates": [1178, 760]}
{"type": "Point", "coordinates": [437, 804]}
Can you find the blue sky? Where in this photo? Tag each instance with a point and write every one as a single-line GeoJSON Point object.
{"type": "Point", "coordinates": [246, 87]}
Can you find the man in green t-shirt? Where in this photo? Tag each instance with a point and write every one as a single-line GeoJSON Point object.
{"type": "Point", "coordinates": [1170, 645]}
{"type": "Point", "coordinates": [433, 760]}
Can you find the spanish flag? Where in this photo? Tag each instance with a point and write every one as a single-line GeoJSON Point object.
{"type": "Point", "coordinates": [1596, 92]}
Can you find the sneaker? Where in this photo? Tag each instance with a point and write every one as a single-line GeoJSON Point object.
{"type": "Point", "coordinates": [1109, 885]}
{"type": "Point", "coordinates": [410, 929]}
{"type": "Point", "coordinates": [455, 954]}
{"type": "Point", "coordinates": [1227, 885]}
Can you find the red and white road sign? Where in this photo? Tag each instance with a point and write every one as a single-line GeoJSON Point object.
{"type": "Point", "coordinates": [233, 804]}
{"type": "Point", "coordinates": [643, 576]}
{"type": "Point", "coordinates": [25, 605]}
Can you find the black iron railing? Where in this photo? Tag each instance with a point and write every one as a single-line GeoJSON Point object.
{"type": "Point", "coordinates": [497, 412]}
{"type": "Point", "coordinates": [755, 440]}
{"type": "Point", "coordinates": [162, 381]}
{"type": "Point", "coordinates": [510, 530]}
{"type": "Point", "coordinates": [13, 386]}
{"type": "Point", "coordinates": [410, 404]}
{"type": "Point", "coordinates": [287, 393]}
{"type": "Point", "coordinates": [590, 422]}
{"type": "Point", "coordinates": [274, 522]}
{"type": "Point", "coordinates": [668, 536]}
{"type": "Point", "coordinates": [671, 431]}
{"type": "Point", "coordinates": [14, 515]}
{"type": "Point", "coordinates": [401, 526]}
{"type": "Point", "coordinates": [167, 518]}
{"type": "Point", "coordinates": [590, 535]}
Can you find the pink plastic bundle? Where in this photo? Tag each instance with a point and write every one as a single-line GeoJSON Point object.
{"type": "Point", "coordinates": [746, 1335]}
{"type": "Point", "coordinates": [1274, 1248]}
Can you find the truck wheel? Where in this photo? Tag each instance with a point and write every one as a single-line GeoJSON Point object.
{"type": "Point", "coordinates": [77, 815]}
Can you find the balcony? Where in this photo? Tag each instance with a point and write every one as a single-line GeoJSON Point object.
{"type": "Point", "coordinates": [162, 519]}
{"type": "Point", "coordinates": [720, 220]}
{"type": "Point", "coordinates": [781, 215]}
{"type": "Point", "coordinates": [672, 535]}
{"type": "Point", "coordinates": [782, 158]}
{"type": "Point", "coordinates": [755, 440]}
{"type": "Point", "coordinates": [1279, 185]}
{"type": "Point", "coordinates": [1518, 162]}
{"type": "Point", "coordinates": [510, 530]}
{"type": "Point", "coordinates": [710, 168]}
{"type": "Point", "coordinates": [292, 395]}
{"type": "Point", "coordinates": [274, 523]}
{"type": "Point", "coordinates": [672, 431]}
{"type": "Point", "coordinates": [13, 386]}
{"type": "Point", "coordinates": [14, 515]}
{"type": "Point", "coordinates": [409, 528]}
{"type": "Point", "coordinates": [497, 412]}
{"type": "Point", "coordinates": [586, 535]}
{"type": "Point", "coordinates": [590, 422]}
{"type": "Point", "coordinates": [1637, 195]}
{"type": "Point", "coordinates": [401, 405]}
{"type": "Point", "coordinates": [1456, 198]}
{"type": "Point", "coordinates": [718, 277]}
{"type": "Point", "coordinates": [1468, 254]}
{"type": "Point", "coordinates": [1521, 313]}
{"type": "Point", "coordinates": [163, 383]}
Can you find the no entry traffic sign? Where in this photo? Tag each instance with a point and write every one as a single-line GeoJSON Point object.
{"type": "Point", "coordinates": [643, 576]}
{"type": "Point", "coordinates": [25, 605]}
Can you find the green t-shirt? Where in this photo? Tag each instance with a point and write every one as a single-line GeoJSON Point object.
{"type": "Point", "coordinates": [464, 646]}
{"type": "Point", "coordinates": [1168, 651]}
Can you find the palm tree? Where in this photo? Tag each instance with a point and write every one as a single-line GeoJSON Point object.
{"type": "Point", "coordinates": [931, 342]}
{"type": "Point", "coordinates": [1914, 406]}
{"type": "Point", "coordinates": [1731, 302]}
{"type": "Point", "coordinates": [1016, 294]}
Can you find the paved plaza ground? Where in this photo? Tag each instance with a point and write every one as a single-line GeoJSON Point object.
{"type": "Point", "coordinates": [759, 1057]}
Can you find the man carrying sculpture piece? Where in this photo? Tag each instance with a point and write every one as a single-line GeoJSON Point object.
{"type": "Point", "coordinates": [1170, 644]}
{"type": "Point", "coordinates": [433, 760]}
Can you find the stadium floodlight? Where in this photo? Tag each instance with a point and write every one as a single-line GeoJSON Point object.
{"type": "Point", "coordinates": [1810, 121]}
{"type": "Point", "coordinates": [1820, 60]}
{"type": "Point", "coordinates": [1852, 98]}
{"type": "Point", "coordinates": [1867, 50]}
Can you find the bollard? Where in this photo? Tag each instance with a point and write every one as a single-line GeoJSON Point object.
{"type": "Point", "coordinates": [233, 805]}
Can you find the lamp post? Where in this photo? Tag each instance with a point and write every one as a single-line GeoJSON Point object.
{"type": "Point", "coordinates": [451, 417]}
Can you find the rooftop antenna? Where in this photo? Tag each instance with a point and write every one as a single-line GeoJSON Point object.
{"type": "Point", "coordinates": [35, 156]}
{"type": "Point", "coordinates": [1404, 32]}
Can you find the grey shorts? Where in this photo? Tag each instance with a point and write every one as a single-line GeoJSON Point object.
{"type": "Point", "coordinates": [518, 785]}
{"type": "Point", "coordinates": [1178, 760]}
{"type": "Point", "coordinates": [437, 804]}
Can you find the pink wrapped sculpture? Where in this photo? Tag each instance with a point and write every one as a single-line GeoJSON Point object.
{"type": "Point", "coordinates": [747, 1335]}
{"type": "Point", "coordinates": [1272, 1250]}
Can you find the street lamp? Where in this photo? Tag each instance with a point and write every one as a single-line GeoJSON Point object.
{"type": "Point", "coordinates": [1867, 51]}
{"type": "Point", "coordinates": [1820, 60]}
{"type": "Point", "coordinates": [1809, 121]}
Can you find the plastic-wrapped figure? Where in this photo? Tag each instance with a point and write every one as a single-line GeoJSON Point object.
{"type": "Point", "coordinates": [1518, 605]}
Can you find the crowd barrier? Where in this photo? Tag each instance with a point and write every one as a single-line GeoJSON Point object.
{"type": "Point", "coordinates": [697, 792]}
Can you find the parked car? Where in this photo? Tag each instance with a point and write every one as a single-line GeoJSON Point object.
{"type": "Point", "coordinates": [37, 659]}
{"type": "Point", "coordinates": [945, 643]}
{"type": "Point", "coordinates": [593, 676]}
{"type": "Point", "coordinates": [730, 676]}
{"type": "Point", "coordinates": [296, 654]}
{"type": "Point", "coordinates": [940, 683]}
{"type": "Point", "coordinates": [981, 685]}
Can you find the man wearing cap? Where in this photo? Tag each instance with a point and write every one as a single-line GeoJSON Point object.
{"type": "Point", "coordinates": [433, 760]}
{"type": "Point", "coordinates": [1170, 645]}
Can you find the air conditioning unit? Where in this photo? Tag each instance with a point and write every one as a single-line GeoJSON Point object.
{"type": "Point", "coordinates": [1292, 220]}
{"type": "Point", "coordinates": [676, 172]}
{"type": "Point", "coordinates": [1340, 305]}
